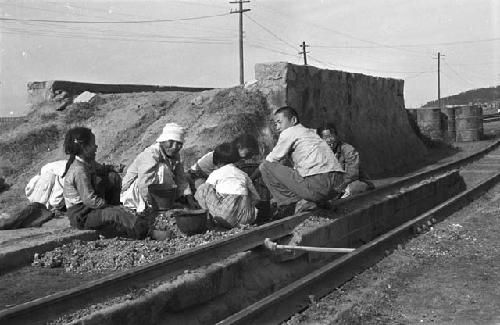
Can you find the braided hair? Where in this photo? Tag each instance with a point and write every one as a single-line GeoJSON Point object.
{"type": "Point", "coordinates": [74, 142]}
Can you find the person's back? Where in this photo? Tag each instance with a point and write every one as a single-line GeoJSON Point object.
{"type": "Point", "coordinates": [229, 179]}
{"type": "Point", "coordinates": [309, 153]}
{"type": "Point", "coordinates": [228, 194]}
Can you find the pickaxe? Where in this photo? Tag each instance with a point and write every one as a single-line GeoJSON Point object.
{"type": "Point", "coordinates": [274, 246]}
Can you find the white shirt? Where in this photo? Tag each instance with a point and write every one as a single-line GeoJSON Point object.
{"type": "Point", "coordinates": [231, 180]}
{"type": "Point", "coordinates": [310, 154]}
{"type": "Point", "coordinates": [205, 163]}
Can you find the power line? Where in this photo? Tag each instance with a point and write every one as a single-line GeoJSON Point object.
{"type": "Point", "coordinates": [270, 32]}
{"type": "Point", "coordinates": [109, 32]}
{"type": "Point", "coordinates": [457, 74]}
{"type": "Point", "coordinates": [270, 49]}
{"type": "Point", "coordinates": [295, 19]}
{"type": "Point", "coordinates": [127, 39]}
{"type": "Point", "coordinates": [196, 27]}
{"type": "Point", "coordinates": [368, 69]}
{"type": "Point", "coordinates": [111, 22]}
{"type": "Point", "coordinates": [410, 45]}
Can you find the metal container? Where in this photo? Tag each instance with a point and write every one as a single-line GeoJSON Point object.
{"type": "Point", "coordinates": [163, 196]}
{"type": "Point", "coordinates": [430, 123]}
{"type": "Point", "coordinates": [449, 115]}
{"type": "Point", "coordinates": [469, 123]}
{"type": "Point", "coordinates": [192, 222]}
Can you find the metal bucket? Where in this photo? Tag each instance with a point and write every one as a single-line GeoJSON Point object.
{"type": "Point", "coordinates": [430, 123]}
{"type": "Point", "coordinates": [192, 222]}
{"type": "Point", "coordinates": [469, 123]}
{"type": "Point", "coordinates": [163, 196]}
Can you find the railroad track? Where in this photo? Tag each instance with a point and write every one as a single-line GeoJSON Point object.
{"type": "Point", "coordinates": [284, 303]}
{"type": "Point", "coordinates": [491, 117]}
{"type": "Point", "coordinates": [48, 308]}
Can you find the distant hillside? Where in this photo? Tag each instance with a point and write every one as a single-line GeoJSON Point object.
{"type": "Point", "coordinates": [481, 95]}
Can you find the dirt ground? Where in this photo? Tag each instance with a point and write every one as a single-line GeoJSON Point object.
{"type": "Point", "coordinates": [449, 275]}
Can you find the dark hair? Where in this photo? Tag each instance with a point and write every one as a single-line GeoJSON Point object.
{"type": "Point", "coordinates": [225, 153]}
{"type": "Point", "coordinates": [289, 112]}
{"type": "Point", "coordinates": [247, 141]}
{"type": "Point", "coordinates": [74, 141]}
{"type": "Point", "coordinates": [328, 126]}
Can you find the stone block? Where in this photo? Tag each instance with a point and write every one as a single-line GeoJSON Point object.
{"type": "Point", "coordinates": [368, 111]}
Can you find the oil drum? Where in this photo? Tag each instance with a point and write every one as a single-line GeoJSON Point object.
{"type": "Point", "coordinates": [469, 123]}
{"type": "Point", "coordinates": [430, 123]}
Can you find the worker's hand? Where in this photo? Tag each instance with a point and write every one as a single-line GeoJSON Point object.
{"type": "Point", "coordinates": [118, 168]}
{"type": "Point", "coordinates": [256, 174]}
{"type": "Point", "coordinates": [192, 202]}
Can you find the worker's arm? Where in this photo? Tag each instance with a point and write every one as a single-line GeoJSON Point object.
{"type": "Point", "coordinates": [351, 159]}
{"type": "Point", "coordinates": [282, 149]}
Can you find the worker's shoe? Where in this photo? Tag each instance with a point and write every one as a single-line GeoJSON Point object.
{"type": "Point", "coordinates": [283, 211]}
{"type": "Point", "coordinates": [305, 206]}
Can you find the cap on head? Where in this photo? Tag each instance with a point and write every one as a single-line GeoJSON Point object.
{"type": "Point", "coordinates": [172, 131]}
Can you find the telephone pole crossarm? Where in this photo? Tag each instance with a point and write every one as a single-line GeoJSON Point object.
{"type": "Point", "coordinates": [304, 52]}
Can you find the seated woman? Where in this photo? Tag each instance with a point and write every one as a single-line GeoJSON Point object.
{"type": "Point", "coordinates": [356, 180]}
{"type": "Point", "coordinates": [228, 194]}
{"type": "Point", "coordinates": [91, 191]}
{"type": "Point", "coordinates": [246, 145]}
{"type": "Point", "coordinates": [158, 164]}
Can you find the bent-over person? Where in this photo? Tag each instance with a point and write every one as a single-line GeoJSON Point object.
{"type": "Point", "coordinates": [228, 194]}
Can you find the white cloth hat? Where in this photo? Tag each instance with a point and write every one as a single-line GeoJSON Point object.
{"type": "Point", "coordinates": [172, 131]}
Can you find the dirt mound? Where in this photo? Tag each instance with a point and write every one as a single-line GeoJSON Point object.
{"type": "Point", "coordinates": [125, 124]}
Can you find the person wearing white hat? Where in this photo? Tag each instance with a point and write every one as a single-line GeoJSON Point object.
{"type": "Point", "coordinates": [158, 164]}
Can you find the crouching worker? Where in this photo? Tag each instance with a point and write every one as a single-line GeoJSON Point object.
{"type": "Point", "coordinates": [158, 164]}
{"type": "Point", "coordinates": [91, 191]}
{"type": "Point", "coordinates": [316, 176]}
{"type": "Point", "coordinates": [228, 194]}
{"type": "Point", "coordinates": [246, 145]}
{"type": "Point", "coordinates": [355, 178]}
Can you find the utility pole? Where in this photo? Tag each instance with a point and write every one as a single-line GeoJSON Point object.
{"type": "Point", "coordinates": [241, 11]}
{"type": "Point", "coordinates": [303, 46]}
{"type": "Point", "coordinates": [439, 80]}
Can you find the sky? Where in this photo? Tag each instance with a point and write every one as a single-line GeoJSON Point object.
{"type": "Point", "coordinates": [195, 42]}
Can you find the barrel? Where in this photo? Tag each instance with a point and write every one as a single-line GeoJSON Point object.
{"type": "Point", "coordinates": [430, 123]}
{"type": "Point", "coordinates": [412, 113]}
{"type": "Point", "coordinates": [449, 113]}
{"type": "Point", "coordinates": [469, 123]}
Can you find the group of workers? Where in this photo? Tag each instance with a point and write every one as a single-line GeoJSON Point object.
{"type": "Point", "coordinates": [306, 168]}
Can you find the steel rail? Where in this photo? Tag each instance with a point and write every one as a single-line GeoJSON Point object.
{"type": "Point", "coordinates": [293, 298]}
{"type": "Point", "coordinates": [52, 306]}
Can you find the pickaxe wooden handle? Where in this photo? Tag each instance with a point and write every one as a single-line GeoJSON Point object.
{"type": "Point", "coordinates": [273, 246]}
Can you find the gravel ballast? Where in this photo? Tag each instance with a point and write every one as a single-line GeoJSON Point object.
{"type": "Point", "coordinates": [448, 275]}
{"type": "Point", "coordinates": [112, 254]}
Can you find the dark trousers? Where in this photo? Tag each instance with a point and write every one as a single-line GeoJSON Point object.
{"type": "Point", "coordinates": [112, 220]}
{"type": "Point", "coordinates": [287, 186]}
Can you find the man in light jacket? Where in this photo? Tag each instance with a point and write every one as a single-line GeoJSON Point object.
{"type": "Point", "coordinates": [158, 164]}
{"type": "Point", "coordinates": [316, 175]}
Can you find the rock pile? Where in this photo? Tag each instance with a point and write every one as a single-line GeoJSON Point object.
{"type": "Point", "coordinates": [109, 254]}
